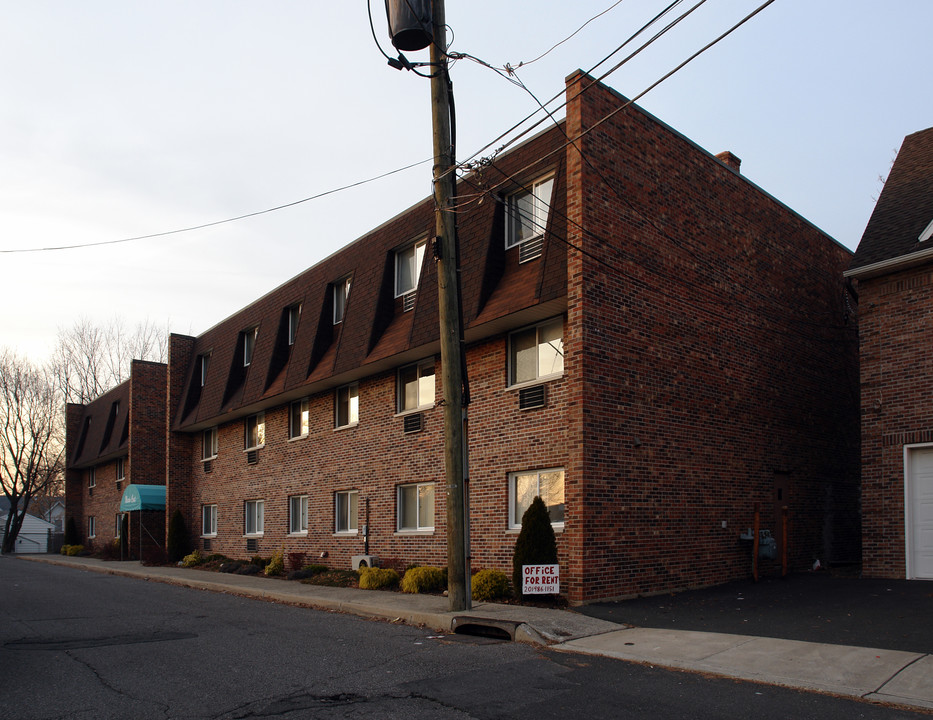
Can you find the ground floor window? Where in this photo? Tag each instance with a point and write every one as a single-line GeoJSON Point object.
{"type": "Point", "coordinates": [91, 526]}
{"type": "Point", "coordinates": [118, 525]}
{"type": "Point", "coordinates": [298, 514]}
{"type": "Point", "coordinates": [416, 506]}
{"type": "Point", "coordinates": [524, 486]}
{"type": "Point", "coordinates": [346, 507]}
{"type": "Point", "coordinates": [208, 519]}
{"type": "Point", "coordinates": [254, 511]}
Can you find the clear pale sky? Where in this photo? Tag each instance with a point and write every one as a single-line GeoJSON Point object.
{"type": "Point", "coordinates": [121, 118]}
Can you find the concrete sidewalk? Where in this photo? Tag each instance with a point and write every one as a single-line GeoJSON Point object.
{"type": "Point", "coordinates": [889, 676]}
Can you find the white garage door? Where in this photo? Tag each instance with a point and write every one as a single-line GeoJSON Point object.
{"type": "Point", "coordinates": [920, 514]}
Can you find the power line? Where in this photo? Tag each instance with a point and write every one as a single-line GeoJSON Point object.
{"type": "Point", "coordinates": [219, 222]}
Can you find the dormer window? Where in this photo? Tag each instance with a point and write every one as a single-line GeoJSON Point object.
{"type": "Point", "coordinates": [249, 342]}
{"type": "Point", "coordinates": [294, 315]}
{"type": "Point", "coordinates": [526, 216]}
{"type": "Point", "coordinates": [926, 234]}
{"type": "Point", "coordinates": [341, 294]}
{"type": "Point", "coordinates": [204, 361]}
{"type": "Point", "coordinates": [408, 263]}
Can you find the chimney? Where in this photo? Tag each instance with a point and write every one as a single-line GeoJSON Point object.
{"type": "Point", "coordinates": [729, 160]}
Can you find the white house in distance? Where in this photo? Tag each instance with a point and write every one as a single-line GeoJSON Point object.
{"type": "Point", "coordinates": [33, 536]}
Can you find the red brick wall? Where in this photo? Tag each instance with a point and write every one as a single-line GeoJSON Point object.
{"type": "Point", "coordinates": [147, 423]}
{"type": "Point", "coordinates": [709, 337]}
{"type": "Point", "coordinates": [896, 331]}
{"type": "Point", "coordinates": [375, 457]}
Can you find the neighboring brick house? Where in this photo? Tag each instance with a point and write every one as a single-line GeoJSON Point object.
{"type": "Point", "coordinates": [113, 442]}
{"type": "Point", "coordinates": [656, 346]}
{"type": "Point", "coordinates": [893, 267]}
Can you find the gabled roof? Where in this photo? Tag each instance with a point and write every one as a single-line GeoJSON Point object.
{"type": "Point", "coordinates": [104, 430]}
{"type": "Point", "coordinates": [903, 211]}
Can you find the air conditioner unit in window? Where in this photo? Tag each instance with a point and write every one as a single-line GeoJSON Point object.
{"type": "Point", "coordinates": [359, 561]}
{"type": "Point", "coordinates": [413, 423]}
{"type": "Point", "coordinates": [532, 397]}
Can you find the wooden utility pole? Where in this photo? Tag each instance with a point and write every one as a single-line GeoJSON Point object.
{"type": "Point", "coordinates": [448, 288]}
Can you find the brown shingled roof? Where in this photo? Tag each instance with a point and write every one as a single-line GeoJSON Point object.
{"type": "Point", "coordinates": [374, 330]}
{"type": "Point", "coordinates": [104, 432]}
{"type": "Point", "coordinates": [905, 207]}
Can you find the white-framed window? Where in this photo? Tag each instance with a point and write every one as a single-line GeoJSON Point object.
{"type": "Point", "coordinates": [298, 514]}
{"type": "Point", "coordinates": [537, 352]}
{"type": "Point", "coordinates": [416, 386]}
{"type": "Point", "coordinates": [204, 362]}
{"type": "Point", "coordinates": [527, 212]}
{"type": "Point", "coordinates": [294, 315]}
{"type": "Point", "coordinates": [416, 506]}
{"type": "Point", "coordinates": [254, 510]}
{"type": "Point", "coordinates": [121, 470]}
{"type": "Point", "coordinates": [255, 431]}
{"type": "Point", "coordinates": [298, 418]}
{"type": "Point", "coordinates": [525, 486]}
{"type": "Point", "coordinates": [341, 295]}
{"type": "Point", "coordinates": [208, 520]}
{"type": "Point", "coordinates": [249, 342]}
{"type": "Point", "coordinates": [346, 506]}
{"type": "Point", "coordinates": [91, 526]}
{"type": "Point", "coordinates": [118, 525]}
{"type": "Point", "coordinates": [347, 405]}
{"type": "Point", "coordinates": [408, 263]}
{"type": "Point", "coordinates": [92, 477]}
{"type": "Point", "coordinates": [209, 444]}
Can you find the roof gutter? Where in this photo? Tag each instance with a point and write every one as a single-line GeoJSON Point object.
{"type": "Point", "coordinates": [891, 265]}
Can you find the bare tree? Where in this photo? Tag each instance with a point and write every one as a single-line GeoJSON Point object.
{"type": "Point", "coordinates": [31, 437]}
{"type": "Point", "coordinates": [92, 359]}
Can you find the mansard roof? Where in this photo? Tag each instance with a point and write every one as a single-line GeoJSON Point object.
{"type": "Point", "coordinates": [903, 211]}
{"type": "Point", "coordinates": [376, 334]}
{"type": "Point", "coordinates": [103, 433]}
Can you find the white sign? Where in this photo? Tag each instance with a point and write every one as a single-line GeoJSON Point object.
{"type": "Point", "coordinates": [540, 579]}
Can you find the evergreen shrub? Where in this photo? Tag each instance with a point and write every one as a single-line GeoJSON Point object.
{"type": "Point", "coordinates": [536, 543]}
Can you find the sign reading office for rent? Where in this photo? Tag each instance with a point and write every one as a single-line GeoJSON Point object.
{"type": "Point", "coordinates": [540, 579]}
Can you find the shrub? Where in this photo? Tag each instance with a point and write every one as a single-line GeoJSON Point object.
{"type": "Point", "coordinates": [215, 557]}
{"type": "Point", "coordinates": [248, 570]}
{"type": "Point", "coordinates": [490, 585]}
{"type": "Point", "coordinates": [276, 564]}
{"type": "Point", "coordinates": [72, 550]}
{"type": "Point", "coordinates": [378, 578]}
{"type": "Point", "coordinates": [111, 550]}
{"type": "Point", "coordinates": [260, 561]}
{"type": "Point", "coordinates": [193, 560]}
{"type": "Point", "coordinates": [177, 544]}
{"type": "Point", "coordinates": [71, 532]}
{"type": "Point", "coordinates": [423, 580]}
{"type": "Point", "coordinates": [231, 566]}
{"type": "Point", "coordinates": [308, 571]}
{"type": "Point", "coordinates": [296, 560]}
{"type": "Point", "coordinates": [334, 578]}
{"type": "Point", "coordinates": [536, 544]}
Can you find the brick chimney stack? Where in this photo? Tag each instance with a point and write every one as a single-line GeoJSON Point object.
{"type": "Point", "coordinates": [730, 160]}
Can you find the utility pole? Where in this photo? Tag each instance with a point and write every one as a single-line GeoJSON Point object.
{"type": "Point", "coordinates": [408, 24]}
{"type": "Point", "coordinates": [448, 289]}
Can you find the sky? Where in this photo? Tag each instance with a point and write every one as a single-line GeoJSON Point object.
{"type": "Point", "coordinates": [120, 119]}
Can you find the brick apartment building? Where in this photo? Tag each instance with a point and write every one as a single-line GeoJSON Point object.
{"type": "Point", "coordinates": [893, 267]}
{"type": "Point", "coordinates": [116, 441]}
{"type": "Point", "coordinates": [654, 345]}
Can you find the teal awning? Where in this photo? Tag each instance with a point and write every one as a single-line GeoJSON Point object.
{"type": "Point", "coordinates": [143, 497]}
